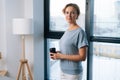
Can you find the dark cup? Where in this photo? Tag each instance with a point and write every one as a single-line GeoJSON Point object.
{"type": "Point", "coordinates": [53, 50]}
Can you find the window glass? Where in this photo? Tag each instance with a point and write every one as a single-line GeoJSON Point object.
{"type": "Point", "coordinates": [106, 64]}
{"type": "Point", "coordinates": [57, 20]}
{"type": "Point", "coordinates": [54, 66]}
{"type": "Point", "coordinates": [107, 18]}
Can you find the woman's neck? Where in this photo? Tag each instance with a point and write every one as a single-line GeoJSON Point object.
{"type": "Point", "coordinates": [73, 26]}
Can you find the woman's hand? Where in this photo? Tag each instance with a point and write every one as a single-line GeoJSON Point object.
{"type": "Point", "coordinates": [55, 56]}
{"type": "Point", "coordinates": [52, 55]}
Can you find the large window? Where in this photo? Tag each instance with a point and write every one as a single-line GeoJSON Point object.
{"type": "Point", "coordinates": [101, 21]}
{"type": "Point", "coordinates": [105, 40]}
{"type": "Point", "coordinates": [107, 18]}
{"type": "Point", "coordinates": [57, 20]}
{"type": "Point", "coordinates": [55, 25]}
{"type": "Point", "coordinates": [106, 61]}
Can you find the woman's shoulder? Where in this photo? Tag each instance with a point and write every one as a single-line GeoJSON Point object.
{"type": "Point", "coordinates": [81, 29]}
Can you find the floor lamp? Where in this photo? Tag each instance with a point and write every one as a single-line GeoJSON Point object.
{"type": "Point", "coordinates": [23, 27]}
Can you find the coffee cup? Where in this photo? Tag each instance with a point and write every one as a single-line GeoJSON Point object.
{"type": "Point", "coordinates": [53, 50]}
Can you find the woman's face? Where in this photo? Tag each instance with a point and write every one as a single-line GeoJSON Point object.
{"type": "Point", "coordinates": [71, 14]}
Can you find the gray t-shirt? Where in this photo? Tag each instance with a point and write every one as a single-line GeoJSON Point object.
{"type": "Point", "coordinates": [70, 43]}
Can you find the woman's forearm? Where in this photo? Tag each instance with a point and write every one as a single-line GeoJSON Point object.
{"type": "Point", "coordinates": [81, 56]}
{"type": "Point", "coordinates": [73, 57]}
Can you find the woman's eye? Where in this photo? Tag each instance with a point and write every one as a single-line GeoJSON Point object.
{"type": "Point", "coordinates": [73, 12]}
{"type": "Point", "coordinates": [70, 12]}
{"type": "Point", "coordinates": [66, 12]}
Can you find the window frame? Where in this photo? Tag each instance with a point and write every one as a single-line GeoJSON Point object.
{"type": "Point", "coordinates": [89, 30]}
{"type": "Point", "coordinates": [89, 18]}
{"type": "Point", "coordinates": [48, 34]}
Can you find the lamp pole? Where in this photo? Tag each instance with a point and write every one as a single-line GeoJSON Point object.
{"type": "Point", "coordinates": [24, 63]}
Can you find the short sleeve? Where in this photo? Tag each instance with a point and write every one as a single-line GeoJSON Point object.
{"type": "Point", "coordinates": [82, 39]}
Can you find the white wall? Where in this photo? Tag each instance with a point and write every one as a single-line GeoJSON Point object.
{"type": "Point", "coordinates": [28, 9]}
{"type": "Point", "coordinates": [13, 9]}
{"type": "Point", "coordinates": [2, 35]}
{"type": "Point", "coordinates": [2, 29]}
{"type": "Point", "coordinates": [28, 13]}
{"type": "Point", "coordinates": [10, 44]}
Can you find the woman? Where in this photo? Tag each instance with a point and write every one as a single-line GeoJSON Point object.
{"type": "Point", "coordinates": [73, 46]}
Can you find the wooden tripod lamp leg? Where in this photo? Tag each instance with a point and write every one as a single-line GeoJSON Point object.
{"type": "Point", "coordinates": [30, 73]}
{"type": "Point", "coordinates": [19, 71]}
{"type": "Point", "coordinates": [23, 72]}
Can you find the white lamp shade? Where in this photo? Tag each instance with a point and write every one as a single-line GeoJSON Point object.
{"type": "Point", "coordinates": [22, 26]}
